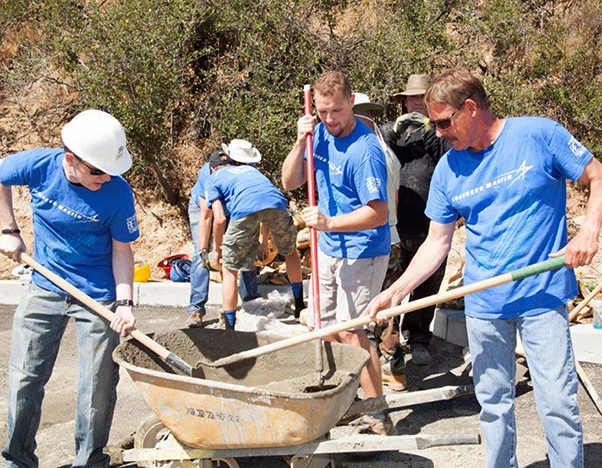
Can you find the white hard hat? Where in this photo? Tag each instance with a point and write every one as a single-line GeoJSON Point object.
{"type": "Point", "coordinates": [242, 151]}
{"type": "Point", "coordinates": [99, 139]}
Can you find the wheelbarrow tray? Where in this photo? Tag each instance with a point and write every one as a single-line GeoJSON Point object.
{"type": "Point", "coordinates": [271, 401]}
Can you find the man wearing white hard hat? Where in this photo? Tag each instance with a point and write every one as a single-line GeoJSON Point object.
{"type": "Point", "coordinates": [84, 221]}
{"type": "Point", "coordinates": [253, 203]}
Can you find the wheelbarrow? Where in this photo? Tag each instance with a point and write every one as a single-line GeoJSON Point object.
{"type": "Point", "coordinates": [275, 404]}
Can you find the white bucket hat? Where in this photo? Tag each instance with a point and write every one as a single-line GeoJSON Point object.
{"type": "Point", "coordinates": [242, 151]}
{"type": "Point", "coordinates": [99, 139]}
{"type": "Point", "coordinates": [363, 103]}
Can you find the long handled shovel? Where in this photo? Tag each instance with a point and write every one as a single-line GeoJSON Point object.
{"type": "Point", "coordinates": [313, 234]}
{"type": "Point", "coordinates": [101, 310]}
{"type": "Point", "coordinates": [515, 275]}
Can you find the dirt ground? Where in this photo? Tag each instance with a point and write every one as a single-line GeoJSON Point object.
{"type": "Point", "coordinates": [459, 416]}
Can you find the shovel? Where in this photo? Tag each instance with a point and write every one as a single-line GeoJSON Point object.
{"type": "Point", "coordinates": [105, 313]}
{"type": "Point", "coordinates": [515, 275]}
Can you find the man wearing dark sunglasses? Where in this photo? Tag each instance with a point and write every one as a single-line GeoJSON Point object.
{"type": "Point", "coordinates": [84, 221]}
{"type": "Point", "coordinates": [507, 179]}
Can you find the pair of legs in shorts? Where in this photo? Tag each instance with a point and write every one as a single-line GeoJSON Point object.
{"type": "Point", "coordinates": [240, 247]}
{"type": "Point", "coordinates": [347, 285]}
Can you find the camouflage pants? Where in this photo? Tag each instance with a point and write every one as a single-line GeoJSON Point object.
{"type": "Point", "coordinates": [240, 242]}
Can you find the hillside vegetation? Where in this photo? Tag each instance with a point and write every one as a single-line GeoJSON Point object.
{"type": "Point", "coordinates": [185, 75]}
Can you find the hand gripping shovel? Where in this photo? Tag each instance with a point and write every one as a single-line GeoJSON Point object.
{"type": "Point", "coordinates": [101, 310]}
{"type": "Point", "coordinates": [515, 275]}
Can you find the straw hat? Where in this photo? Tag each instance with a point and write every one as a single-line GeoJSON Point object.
{"type": "Point", "coordinates": [417, 84]}
{"type": "Point", "coordinates": [363, 103]}
{"type": "Point", "coordinates": [242, 151]}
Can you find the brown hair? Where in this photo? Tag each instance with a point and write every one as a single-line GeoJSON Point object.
{"type": "Point", "coordinates": [454, 86]}
{"type": "Point", "coordinates": [331, 82]}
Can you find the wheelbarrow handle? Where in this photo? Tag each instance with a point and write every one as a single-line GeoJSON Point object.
{"type": "Point", "coordinates": [412, 306]}
{"type": "Point", "coordinates": [105, 313]}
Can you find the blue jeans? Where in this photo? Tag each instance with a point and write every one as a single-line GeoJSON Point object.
{"type": "Point", "coordinates": [548, 349]}
{"type": "Point", "coordinates": [199, 275]}
{"type": "Point", "coordinates": [38, 328]}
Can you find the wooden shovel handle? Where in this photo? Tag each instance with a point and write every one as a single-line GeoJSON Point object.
{"type": "Point", "coordinates": [516, 275]}
{"type": "Point", "coordinates": [105, 312]}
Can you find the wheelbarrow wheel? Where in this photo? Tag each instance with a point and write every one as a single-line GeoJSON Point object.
{"type": "Point", "coordinates": [152, 433]}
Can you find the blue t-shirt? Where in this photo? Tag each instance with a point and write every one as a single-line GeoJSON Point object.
{"type": "Point", "coordinates": [73, 226]}
{"type": "Point", "coordinates": [513, 198]}
{"type": "Point", "coordinates": [350, 172]}
{"type": "Point", "coordinates": [243, 190]}
{"type": "Point", "coordinates": [198, 190]}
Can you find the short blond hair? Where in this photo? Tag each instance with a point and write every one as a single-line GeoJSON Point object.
{"type": "Point", "coordinates": [331, 82]}
{"type": "Point", "coordinates": [454, 86]}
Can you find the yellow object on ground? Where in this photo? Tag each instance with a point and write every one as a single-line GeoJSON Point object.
{"type": "Point", "coordinates": [142, 272]}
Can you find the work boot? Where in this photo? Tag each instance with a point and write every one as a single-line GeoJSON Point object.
{"type": "Point", "coordinates": [373, 423]}
{"type": "Point", "coordinates": [393, 371]}
{"type": "Point", "coordinates": [194, 320]}
{"type": "Point", "coordinates": [420, 355]}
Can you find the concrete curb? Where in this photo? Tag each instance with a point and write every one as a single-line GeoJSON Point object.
{"type": "Point", "coordinates": [161, 293]}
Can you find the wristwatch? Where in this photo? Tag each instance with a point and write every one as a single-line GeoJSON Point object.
{"type": "Point", "coordinates": [124, 302]}
{"type": "Point", "coordinates": [11, 231]}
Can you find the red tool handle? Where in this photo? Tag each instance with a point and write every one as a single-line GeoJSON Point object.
{"type": "Point", "coordinates": [311, 197]}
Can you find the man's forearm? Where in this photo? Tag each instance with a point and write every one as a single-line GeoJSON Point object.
{"type": "Point", "coordinates": [123, 269]}
{"type": "Point", "coordinates": [427, 260]}
{"type": "Point", "coordinates": [593, 212]}
{"type": "Point", "coordinates": [366, 217]}
{"type": "Point", "coordinates": [7, 214]}
{"type": "Point", "coordinates": [293, 168]}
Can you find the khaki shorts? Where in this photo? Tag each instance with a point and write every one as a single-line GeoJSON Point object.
{"type": "Point", "coordinates": [347, 285]}
{"type": "Point", "coordinates": [239, 248]}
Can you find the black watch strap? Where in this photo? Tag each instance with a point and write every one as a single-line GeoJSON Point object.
{"type": "Point", "coordinates": [11, 231]}
{"type": "Point", "coordinates": [124, 302]}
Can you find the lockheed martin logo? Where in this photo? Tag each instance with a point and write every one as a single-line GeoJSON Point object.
{"type": "Point", "coordinates": [511, 177]}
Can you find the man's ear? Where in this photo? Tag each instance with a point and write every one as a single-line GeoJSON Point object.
{"type": "Point", "coordinates": [472, 106]}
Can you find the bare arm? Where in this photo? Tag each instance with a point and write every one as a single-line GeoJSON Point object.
{"type": "Point", "coordinates": [370, 216]}
{"type": "Point", "coordinates": [204, 224]}
{"type": "Point", "coordinates": [584, 246]}
{"type": "Point", "coordinates": [219, 226]}
{"type": "Point", "coordinates": [123, 272]}
{"type": "Point", "coordinates": [293, 168]}
{"type": "Point", "coordinates": [10, 244]}
{"type": "Point", "coordinates": [428, 258]}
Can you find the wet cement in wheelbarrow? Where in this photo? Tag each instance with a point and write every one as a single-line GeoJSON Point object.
{"type": "Point", "coordinates": [292, 370]}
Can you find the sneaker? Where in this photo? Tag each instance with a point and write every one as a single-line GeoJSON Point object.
{"type": "Point", "coordinates": [420, 355]}
{"type": "Point", "coordinates": [373, 423]}
{"type": "Point", "coordinates": [194, 320]}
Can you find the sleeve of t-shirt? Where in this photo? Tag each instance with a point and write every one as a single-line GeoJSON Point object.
{"type": "Point", "coordinates": [438, 207]}
{"type": "Point", "coordinates": [212, 192]}
{"type": "Point", "coordinates": [569, 156]}
{"type": "Point", "coordinates": [124, 225]}
{"type": "Point", "coordinates": [370, 178]}
{"type": "Point", "coordinates": [21, 168]}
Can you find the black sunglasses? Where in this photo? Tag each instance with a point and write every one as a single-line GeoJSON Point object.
{"type": "Point", "coordinates": [93, 171]}
{"type": "Point", "coordinates": [445, 123]}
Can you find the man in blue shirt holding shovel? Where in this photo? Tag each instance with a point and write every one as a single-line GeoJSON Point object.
{"type": "Point", "coordinates": [507, 179]}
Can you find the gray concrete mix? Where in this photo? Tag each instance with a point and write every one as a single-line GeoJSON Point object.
{"type": "Point", "coordinates": [459, 416]}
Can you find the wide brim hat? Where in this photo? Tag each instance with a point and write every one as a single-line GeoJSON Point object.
{"type": "Point", "coordinates": [242, 151]}
{"type": "Point", "coordinates": [417, 85]}
{"type": "Point", "coordinates": [363, 103]}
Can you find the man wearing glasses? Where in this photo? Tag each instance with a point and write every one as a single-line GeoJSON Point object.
{"type": "Point", "coordinates": [507, 179]}
{"type": "Point", "coordinates": [84, 221]}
